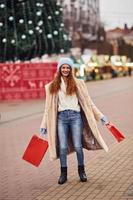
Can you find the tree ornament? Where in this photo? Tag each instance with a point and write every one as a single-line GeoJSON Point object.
{"type": "Point", "coordinates": [62, 50]}
{"type": "Point", "coordinates": [12, 41]}
{"type": "Point", "coordinates": [2, 5]}
{"type": "Point", "coordinates": [40, 31]}
{"type": "Point", "coordinates": [65, 37]}
{"type": "Point", "coordinates": [31, 32]}
{"type": "Point", "coordinates": [62, 25]}
{"type": "Point", "coordinates": [30, 22]}
{"type": "Point", "coordinates": [49, 17]}
{"type": "Point", "coordinates": [40, 23]}
{"type": "Point", "coordinates": [4, 40]}
{"type": "Point", "coordinates": [23, 36]}
{"type": "Point", "coordinates": [37, 28]}
{"type": "Point", "coordinates": [1, 24]}
{"type": "Point", "coordinates": [49, 36]}
{"type": "Point", "coordinates": [21, 21]}
{"type": "Point", "coordinates": [11, 18]}
{"type": "Point", "coordinates": [38, 4]}
{"type": "Point", "coordinates": [58, 3]}
{"type": "Point", "coordinates": [61, 9]}
{"type": "Point", "coordinates": [38, 13]}
{"type": "Point", "coordinates": [41, 4]}
{"type": "Point", "coordinates": [57, 12]}
{"type": "Point", "coordinates": [55, 32]}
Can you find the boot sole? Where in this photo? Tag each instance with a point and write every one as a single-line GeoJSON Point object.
{"type": "Point", "coordinates": [61, 183]}
{"type": "Point", "coordinates": [83, 180]}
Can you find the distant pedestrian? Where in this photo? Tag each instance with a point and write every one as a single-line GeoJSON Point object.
{"type": "Point", "coordinates": [93, 74]}
{"type": "Point", "coordinates": [113, 73]}
{"type": "Point", "coordinates": [70, 119]}
{"type": "Point", "coordinates": [129, 71]}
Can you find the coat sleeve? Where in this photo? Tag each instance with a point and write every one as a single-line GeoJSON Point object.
{"type": "Point", "coordinates": [44, 119]}
{"type": "Point", "coordinates": [97, 113]}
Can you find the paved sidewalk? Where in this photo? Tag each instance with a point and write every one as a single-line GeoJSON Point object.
{"type": "Point", "coordinates": [110, 177]}
{"type": "Point", "coordinates": [16, 110]}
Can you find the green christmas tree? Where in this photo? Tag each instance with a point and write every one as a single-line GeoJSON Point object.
{"type": "Point", "coordinates": [31, 28]}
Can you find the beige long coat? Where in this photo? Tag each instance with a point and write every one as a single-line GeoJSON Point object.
{"type": "Point", "coordinates": [92, 140]}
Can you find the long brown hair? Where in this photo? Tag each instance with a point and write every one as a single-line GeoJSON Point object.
{"type": "Point", "coordinates": [71, 84]}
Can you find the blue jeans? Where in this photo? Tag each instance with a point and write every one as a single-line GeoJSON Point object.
{"type": "Point", "coordinates": [70, 121]}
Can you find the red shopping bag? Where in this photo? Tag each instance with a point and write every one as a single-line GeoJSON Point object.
{"type": "Point", "coordinates": [35, 150]}
{"type": "Point", "coordinates": [116, 133]}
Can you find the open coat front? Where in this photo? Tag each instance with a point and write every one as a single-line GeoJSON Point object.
{"type": "Point", "coordinates": [92, 140]}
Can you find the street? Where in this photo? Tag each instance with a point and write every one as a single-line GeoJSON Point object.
{"type": "Point", "coordinates": [20, 120]}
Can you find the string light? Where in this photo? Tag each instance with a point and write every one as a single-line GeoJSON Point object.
{"type": "Point", "coordinates": [31, 32]}
{"type": "Point", "coordinates": [4, 40]}
{"type": "Point", "coordinates": [41, 4]}
{"type": "Point", "coordinates": [55, 32]}
{"type": "Point", "coordinates": [2, 5]}
{"type": "Point", "coordinates": [30, 22]}
{"type": "Point", "coordinates": [21, 21]}
{"type": "Point", "coordinates": [38, 4]}
{"type": "Point", "coordinates": [12, 41]}
{"type": "Point", "coordinates": [57, 12]}
{"type": "Point", "coordinates": [62, 50]}
{"type": "Point", "coordinates": [1, 24]}
{"type": "Point", "coordinates": [49, 36]}
{"type": "Point", "coordinates": [61, 9]}
{"type": "Point", "coordinates": [38, 13]}
{"type": "Point", "coordinates": [65, 37]}
{"type": "Point", "coordinates": [40, 23]}
{"type": "Point", "coordinates": [49, 17]}
{"type": "Point", "coordinates": [58, 3]}
{"type": "Point", "coordinates": [62, 25]}
{"type": "Point", "coordinates": [23, 37]}
{"type": "Point", "coordinates": [11, 18]}
{"type": "Point", "coordinates": [40, 31]}
{"type": "Point", "coordinates": [37, 28]}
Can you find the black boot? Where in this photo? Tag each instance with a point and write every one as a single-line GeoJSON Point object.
{"type": "Point", "coordinates": [81, 172]}
{"type": "Point", "coordinates": [63, 176]}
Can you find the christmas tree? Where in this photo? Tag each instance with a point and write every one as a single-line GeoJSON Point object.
{"type": "Point", "coordinates": [31, 28]}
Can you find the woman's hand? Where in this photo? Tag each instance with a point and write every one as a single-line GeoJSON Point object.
{"type": "Point", "coordinates": [43, 132]}
{"type": "Point", "coordinates": [104, 120]}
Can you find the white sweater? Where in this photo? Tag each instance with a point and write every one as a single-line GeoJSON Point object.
{"type": "Point", "coordinates": [67, 102]}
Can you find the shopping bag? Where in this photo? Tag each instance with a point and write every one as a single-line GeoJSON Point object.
{"type": "Point", "coordinates": [35, 150]}
{"type": "Point", "coordinates": [115, 132]}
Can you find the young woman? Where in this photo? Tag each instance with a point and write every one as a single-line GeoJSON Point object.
{"type": "Point", "coordinates": [70, 119]}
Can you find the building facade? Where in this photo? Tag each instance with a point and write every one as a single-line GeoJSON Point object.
{"type": "Point", "coordinates": [81, 16]}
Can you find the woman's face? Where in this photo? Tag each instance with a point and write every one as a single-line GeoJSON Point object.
{"type": "Point", "coordinates": [65, 70]}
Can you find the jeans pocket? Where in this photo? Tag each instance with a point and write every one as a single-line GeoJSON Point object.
{"type": "Point", "coordinates": [76, 116]}
{"type": "Point", "coordinates": [61, 115]}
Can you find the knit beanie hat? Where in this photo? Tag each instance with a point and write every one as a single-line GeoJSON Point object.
{"type": "Point", "coordinates": [67, 61]}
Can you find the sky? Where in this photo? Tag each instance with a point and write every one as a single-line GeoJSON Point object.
{"type": "Point", "coordinates": [115, 13]}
